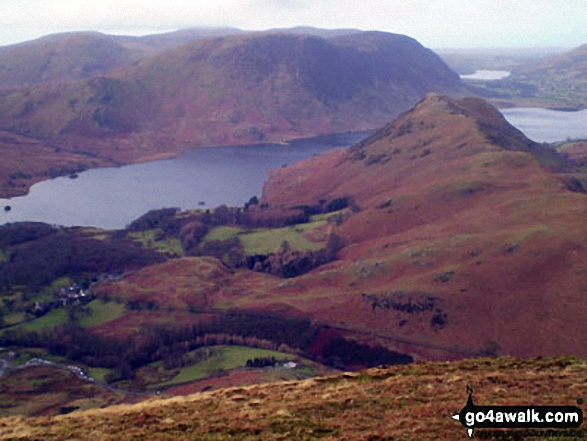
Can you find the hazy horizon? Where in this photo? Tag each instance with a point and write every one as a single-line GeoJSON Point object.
{"type": "Point", "coordinates": [449, 24]}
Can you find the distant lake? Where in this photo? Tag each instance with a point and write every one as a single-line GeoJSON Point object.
{"type": "Point", "coordinates": [544, 125]}
{"type": "Point", "coordinates": [487, 75]}
{"type": "Point", "coordinates": [113, 197]}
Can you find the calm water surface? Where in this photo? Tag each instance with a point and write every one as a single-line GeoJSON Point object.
{"type": "Point", "coordinates": [544, 125]}
{"type": "Point", "coordinates": [487, 75]}
{"type": "Point", "coordinates": [113, 197]}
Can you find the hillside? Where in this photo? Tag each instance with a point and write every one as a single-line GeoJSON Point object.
{"type": "Point", "coordinates": [458, 238]}
{"type": "Point", "coordinates": [61, 57]}
{"type": "Point", "coordinates": [26, 161]}
{"type": "Point", "coordinates": [414, 402]}
{"type": "Point", "coordinates": [242, 89]}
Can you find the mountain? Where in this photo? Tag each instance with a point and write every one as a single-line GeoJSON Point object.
{"type": "Point", "coordinates": [79, 55]}
{"type": "Point", "coordinates": [414, 402]}
{"type": "Point", "coordinates": [61, 57]}
{"type": "Point", "coordinates": [242, 89]}
{"type": "Point", "coordinates": [458, 239]}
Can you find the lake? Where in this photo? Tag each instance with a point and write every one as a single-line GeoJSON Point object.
{"type": "Point", "coordinates": [487, 75]}
{"type": "Point", "coordinates": [544, 125]}
{"type": "Point", "coordinates": [201, 178]}
{"type": "Point", "coordinates": [113, 197]}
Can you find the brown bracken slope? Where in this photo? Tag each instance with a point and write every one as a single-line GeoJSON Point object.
{"type": "Point", "coordinates": [459, 238]}
{"type": "Point", "coordinates": [401, 403]}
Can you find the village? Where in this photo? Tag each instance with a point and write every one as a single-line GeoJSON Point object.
{"type": "Point", "coordinates": [72, 295]}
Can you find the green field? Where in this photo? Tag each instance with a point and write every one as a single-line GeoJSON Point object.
{"type": "Point", "coordinates": [265, 241]}
{"type": "Point", "coordinates": [98, 374]}
{"type": "Point", "coordinates": [229, 357]}
{"type": "Point", "coordinates": [55, 317]}
{"type": "Point", "coordinates": [101, 312]}
{"type": "Point", "coordinates": [270, 241]}
{"type": "Point", "coordinates": [166, 246]}
{"type": "Point", "coordinates": [223, 233]}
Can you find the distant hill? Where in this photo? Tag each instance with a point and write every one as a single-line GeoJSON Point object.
{"type": "Point", "coordinates": [318, 32]}
{"type": "Point", "coordinates": [241, 89]}
{"type": "Point", "coordinates": [79, 55]}
{"type": "Point", "coordinates": [572, 64]}
{"type": "Point", "coordinates": [559, 81]}
{"type": "Point", "coordinates": [61, 57]}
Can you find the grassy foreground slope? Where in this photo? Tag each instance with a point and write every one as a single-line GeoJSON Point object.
{"type": "Point", "coordinates": [399, 403]}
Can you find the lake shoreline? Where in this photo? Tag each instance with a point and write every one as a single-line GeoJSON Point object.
{"type": "Point", "coordinates": [33, 180]}
{"type": "Point", "coordinates": [172, 180]}
{"type": "Point", "coordinates": [207, 177]}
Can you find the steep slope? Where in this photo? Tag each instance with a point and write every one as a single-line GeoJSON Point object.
{"type": "Point", "coordinates": [457, 240]}
{"type": "Point", "coordinates": [414, 402]}
{"type": "Point", "coordinates": [232, 90]}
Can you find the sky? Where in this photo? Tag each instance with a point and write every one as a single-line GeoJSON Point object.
{"type": "Point", "coordinates": [435, 23]}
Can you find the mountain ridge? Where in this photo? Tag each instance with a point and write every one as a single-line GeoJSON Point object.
{"type": "Point", "coordinates": [230, 90]}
